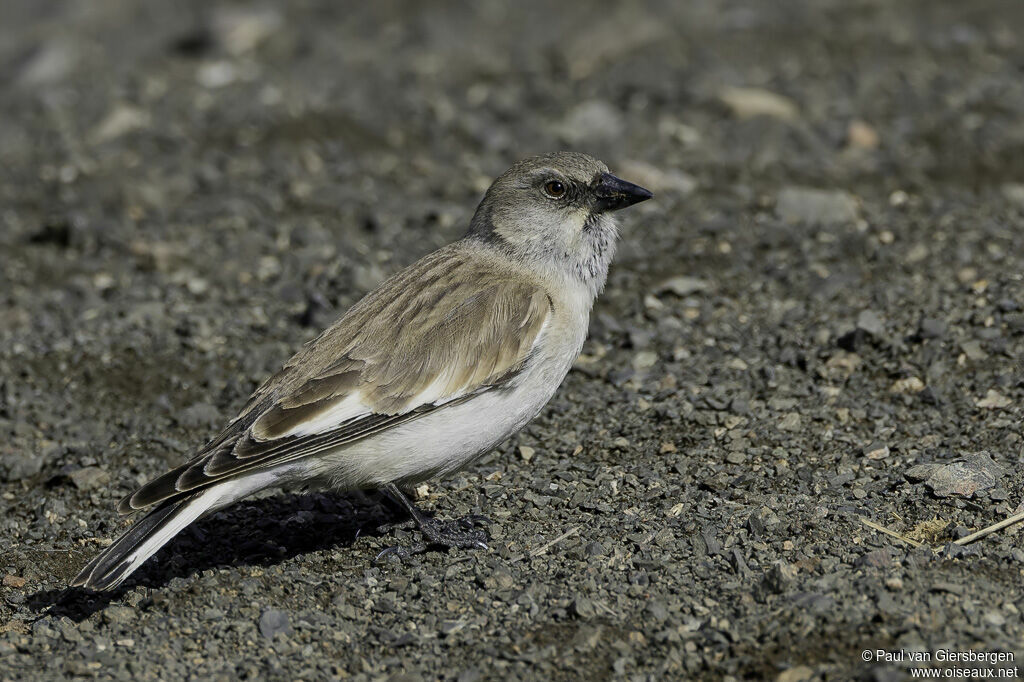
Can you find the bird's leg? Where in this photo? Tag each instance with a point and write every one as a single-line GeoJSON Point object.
{"type": "Point", "coordinates": [460, 533]}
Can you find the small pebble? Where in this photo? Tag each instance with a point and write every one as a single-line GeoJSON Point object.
{"type": "Point", "coordinates": [14, 581]}
{"type": "Point", "coordinates": [816, 206]}
{"type": "Point", "coordinates": [89, 478]}
{"type": "Point", "coordinates": [876, 450]}
{"type": "Point", "coordinates": [274, 622]}
{"type": "Point", "coordinates": [753, 102]}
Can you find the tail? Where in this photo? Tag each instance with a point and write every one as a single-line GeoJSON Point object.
{"type": "Point", "coordinates": [142, 540]}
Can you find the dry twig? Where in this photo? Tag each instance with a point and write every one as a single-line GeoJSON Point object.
{"type": "Point", "coordinates": [892, 533]}
{"type": "Point", "coordinates": [548, 545]}
{"type": "Point", "coordinates": [1009, 521]}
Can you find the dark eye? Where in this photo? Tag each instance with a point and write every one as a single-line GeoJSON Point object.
{"type": "Point", "coordinates": [554, 189]}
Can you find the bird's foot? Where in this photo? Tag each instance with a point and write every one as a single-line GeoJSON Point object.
{"type": "Point", "coordinates": [462, 533]}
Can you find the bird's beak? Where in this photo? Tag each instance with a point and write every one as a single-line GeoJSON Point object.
{"type": "Point", "coordinates": [613, 193]}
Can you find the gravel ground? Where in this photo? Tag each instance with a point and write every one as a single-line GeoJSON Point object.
{"type": "Point", "coordinates": [818, 323]}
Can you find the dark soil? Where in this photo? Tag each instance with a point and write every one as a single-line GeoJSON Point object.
{"type": "Point", "coordinates": [826, 293]}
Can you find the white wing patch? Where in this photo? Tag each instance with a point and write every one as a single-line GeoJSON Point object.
{"type": "Point", "coordinates": [351, 407]}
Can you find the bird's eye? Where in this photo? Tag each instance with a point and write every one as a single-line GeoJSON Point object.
{"type": "Point", "coordinates": [554, 189]}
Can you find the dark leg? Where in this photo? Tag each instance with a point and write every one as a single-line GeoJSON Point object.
{"type": "Point", "coordinates": [459, 533]}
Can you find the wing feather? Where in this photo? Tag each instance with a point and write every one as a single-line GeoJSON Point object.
{"type": "Point", "coordinates": [445, 329]}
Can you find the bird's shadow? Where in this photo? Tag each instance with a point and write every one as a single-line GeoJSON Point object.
{"type": "Point", "coordinates": [259, 532]}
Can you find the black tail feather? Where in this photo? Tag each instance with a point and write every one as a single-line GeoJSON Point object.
{"type": "Point", "coordinates": [111, 566]}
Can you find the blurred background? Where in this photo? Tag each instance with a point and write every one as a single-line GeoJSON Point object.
{"type": "Point", "coordinates": [825, 293]}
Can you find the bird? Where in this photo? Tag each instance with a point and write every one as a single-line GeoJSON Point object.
{"type": "Point", "coordinates": [433, 369]}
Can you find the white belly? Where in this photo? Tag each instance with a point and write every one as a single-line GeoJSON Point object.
{"type": "Point", "coordinates": [445, 440]}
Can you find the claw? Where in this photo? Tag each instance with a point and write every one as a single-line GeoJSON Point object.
{"type": "Point", "coordinates": [387, 551]}
{"type": "Point", "coordinates": [400, 552]}
{"type": "Point", "coordinates": [474, 520]}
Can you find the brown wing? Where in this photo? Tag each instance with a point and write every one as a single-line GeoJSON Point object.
{"type": "Point", "coordinates": [443, 330]}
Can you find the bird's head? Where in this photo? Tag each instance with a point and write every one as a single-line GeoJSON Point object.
{"type": "Point", "coordinates": [554, 211]}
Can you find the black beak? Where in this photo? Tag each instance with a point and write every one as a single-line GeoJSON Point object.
{"type": "Point", "coordinates": [613, 193]}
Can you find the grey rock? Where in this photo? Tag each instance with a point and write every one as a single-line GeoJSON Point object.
{"type": "Point", "coordinates": [736, 457]}
{"type": "Point", "coordinates": [870, 322]}
{"type": "Point", "coordinates": [682, 286]}
{"type": "Point", "coordinates": [955, 551]}
{"type": "Point", "coordinates": [877, 558]}
{"type": "Point", "coordinates": [1014, 193]}
{"type": "Point", "coordinates": [932, 328]}
{"type": "Point", "coordinates": [998, 494]}
{"type": "Point", "coordinates": [779, 577]}
{"type": "Point", "coordinates": [592, 120]}
{"type": "Point", "coordinates": [51, 62]}
{"type": "Point", "coordinates": [877, 450]}
{"type": "Point", "coordinates": [89, 478]}
{"type": "Point", "coordinates": [118, 614]}
{"type": "Point", "coordinates": [17, 466]}
{"type": "Point", "coordinates": [242, 29]}
{"type": "Point", "coordinates": [656, 611]}
{"type": "Point", "coordinates": [754, 102]}
{"type": "Point", "coordinates": [798, 673]}
{"type": "Point", "coordinates": [450, 627]}
{"type": "Point", "coordinates": [70, 631]}
{"type": "Point", "coordinates": [973, 350]}
{"type": "Point", "coordinates": [199, 415]}
{"type": "Point", "coordinates": [921, 472]}
{"type": "Point", "coordinates": [814, 601]}
{"type": "Point", "coordinates": [711, 542]}
{"type": "Point", "coordinates": [964, 478]}
{"type": "Point", "coordinates": [816, 206]}
{"type": "Point", "coordinates": [121, 120]}
{"type": "Point", "coordinates": [583, 608]}
{"type": "Point", "coordinates": [274, 622]}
